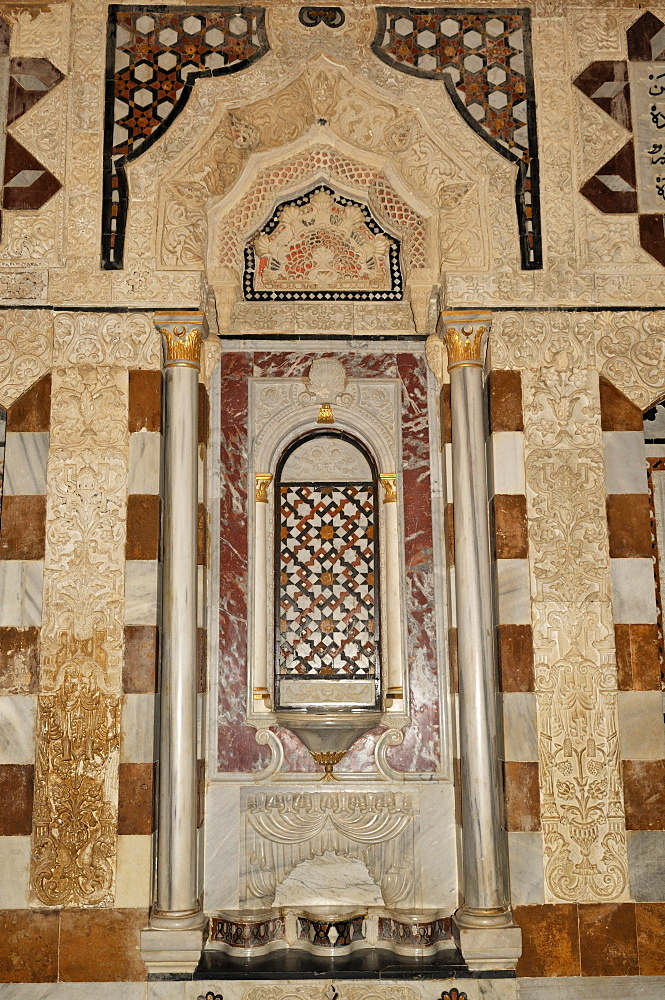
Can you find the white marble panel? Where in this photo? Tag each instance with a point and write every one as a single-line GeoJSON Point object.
{"type": "Point", "coordinates": [641, 728]}
{"type": "Point", "coordinates": [525, 852]}
{"type": "Point", "coordinates": [17, 728]}
{"type": "Point", "coordinates": [329, 880]}
{"type": "Point", "coordinates": [133, 870]}
{"type": "Point", "coordinates": [646, 865]}
{"type": "Point", "coordinates": [448, 462]}
{"type": "Point", "coordinates": [74, 991]}
{"type": "Point", "coordinates": [438, 849]}
{"type": "Point", "coordinates": [654, 451]}
{"type": "Point", "coordinates": [593, 988]}
{"type": "Point", "coordinates": [26, 454]}
{"type": "Point", "coordinates": [507, 470]}
{"type": "Point", "coordinates": [14, 873]}
{"type": "Point", "coordinates": [633, 591]}
{"type": "Point", "coordinates": [144, 462]}
{"type": "Point", "coordinates": [223, 832]}
{"type": "Point", "coordinates": [200, 597]}
{"type": "Point", "coordinates": [513, 604]}
{"type": "Point", "coordinates": [138, 723]}
{"type": "Point", "coordinates": [141, 591]}
{"type": "Point", "coordinates": [325, 988]}
{"type": "Point", "coordinates": [520, 737]}
{"type": "Point", "coordinates": [21, 592]}
{"type": "Point", "coordinates": [625, 469]}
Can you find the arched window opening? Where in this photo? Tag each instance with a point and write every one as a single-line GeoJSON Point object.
{"type": "Point", "coordinates": [326, 574]}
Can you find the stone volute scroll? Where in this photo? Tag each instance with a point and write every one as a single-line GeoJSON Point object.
{"type": "Point", "coordinates": [174, 938]}
{"type": "Point", "coordinates": [483, 925]}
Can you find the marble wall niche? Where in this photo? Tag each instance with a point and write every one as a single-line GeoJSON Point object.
{"type": "Point", "coordinates": [418, 772]}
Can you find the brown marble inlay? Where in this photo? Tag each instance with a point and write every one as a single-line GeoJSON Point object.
{"type": "Point", "coordinates": [510, 526]}
{"type": "Point", "coordinates": [101, 945]}
{"type": "Point", "coordinates": [628, 522]}
{"type": "Point", "coordinates": [550, 940]}
{"type": "Point", "coordinates": [515, 645]}
{"type": "Point", "coordinates": [505, 399]}
{"type": "Point", "coordinates": [135, 807]}
{"type": "Point", "coordinates": [19, 660]}
{"type": "Point", "coordinates": [449, 531]}
{"type": "Point", "coordinates": [522, 795]}
{"type": "Point", "coordinates": [23, 529]}
{"type": "Point", "coordinates": [29, 949]}
{"type": "Point", "coordinates": [454, 666]}
{"type": "Point", "coordinates": [644, 794]}
{"type": "Point", "coordinates": [608, 939]}
{"type": "Point", "coordinates": [140, 661]}
{"type": "Point", "coordinates": [145, 401]}
{"type": "Point", "coordinates": [32, 411]}
{"type": "Point", "coordinates": [444, 405]}
{"type": "Point", "coordinates": [16, 791]}
{"type": "Point", "coordinates": [204, 414]}
{"type": "Point", "coordinates": [650, 920]}
{"type": "Point", "coordinates": [637, 657]}
{"type": "Point", "coordinates": [143, 522]}
{"type": "Point", "coordinates": [617, 413]}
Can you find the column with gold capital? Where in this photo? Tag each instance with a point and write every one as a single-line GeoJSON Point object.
{"type": "Point", "coordinates": [483, 924]}
{"type": "Point", "coordinates": [174, 940]}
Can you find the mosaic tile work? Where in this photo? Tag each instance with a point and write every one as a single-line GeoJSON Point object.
{"type": "Point", "coordinates": [27, 184]}
{"type": "Point", "coordinates": [632, 92]}
{"type": "Point", "coordinates": [331, 934]}
{"type": "Point", "coordinates": [484, 59]}
{"type": "Point", "coordinates": [327, 594]}
{"type": "Point", "coordinates": [332, 17]}
{"type": "Point", "coordinates": [246, 933]}
{"type": "Point", "coordinates": [154, 57]}
{"type": "Point", "coordinates": [322, 246]}
{"type": "Point", "coordinates": [414, 935]}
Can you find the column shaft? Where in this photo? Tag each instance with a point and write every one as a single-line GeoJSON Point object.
{"type": "Point", "coordinates": [483, 839]}
{"type": "Point", "coordinates": [177, 836]}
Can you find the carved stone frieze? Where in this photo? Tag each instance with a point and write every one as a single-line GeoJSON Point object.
{"type": "Point", "coordinates": [78, 718]}
{"type": "Point", "coordinates": [531, 340]}
{"type": "Point", "coordinates": [127, 340]}
{"type": "Point", "coordinates": [26, 348]}
{"type": "Point", "coordinates": [573, 635]}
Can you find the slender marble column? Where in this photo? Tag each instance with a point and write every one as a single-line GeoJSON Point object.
{"type": "Point", "coordinates": [261, 693]}
{"type": "Point", "coordinates": [486, 902]}
{"type": "Point", "coordinates": [177, 903]}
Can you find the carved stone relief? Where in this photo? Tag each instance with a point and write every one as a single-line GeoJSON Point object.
{"type": "Point", "coordinates": [631, 353]}
{"type": "Point", "coordinates": [78, 718]}
{"type": "Point", "coordinates": [573, 636]}
{"type": "Point", "coordinates": [26, 346]}
{"type": "Point", "coordinates": [283, 829]}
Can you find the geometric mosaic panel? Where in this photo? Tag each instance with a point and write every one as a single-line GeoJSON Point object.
{"type": "Point", "coordinates": [483, 56]}
{"type": "Point", "coordinates": [154, 57]}
{"type": "Point", "coordinates": [24, 81]}
{"type": "Point", "coordinates": [632, 92]}
{"type": "Point", "coordinates": [322, 246]}
{"type": "Point", "coordinates": [327, 590]}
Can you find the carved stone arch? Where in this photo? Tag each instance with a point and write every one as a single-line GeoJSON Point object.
{"type": "Point", "coordinates": [271, 178]}
{"type": "Point", "coordinates": [208, 150]}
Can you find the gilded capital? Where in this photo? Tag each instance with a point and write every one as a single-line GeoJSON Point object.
{"type": "Point", "coordinates": [465, 336]}
{"type": "Point", "coordinates": [389, 482]}
{"type": "Point", "coordinates": [263, 481]}
{"type": "Point", "coordinates": [182, 336]}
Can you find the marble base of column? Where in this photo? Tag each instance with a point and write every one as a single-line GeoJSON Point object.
{"type": "Point", "coordinates": [489, 941]}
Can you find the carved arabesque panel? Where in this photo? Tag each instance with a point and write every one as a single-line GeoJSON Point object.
{"type": "Point", "coordinates": [575, 666]}
{"type": "Point", "coordinates": [78, 717]}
